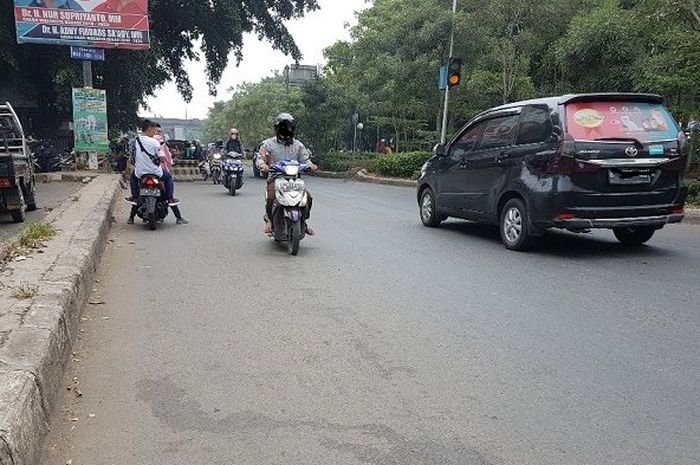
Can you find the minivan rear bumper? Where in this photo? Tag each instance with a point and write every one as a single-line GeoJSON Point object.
{"type": "Point", "coordinates": [609, 223]}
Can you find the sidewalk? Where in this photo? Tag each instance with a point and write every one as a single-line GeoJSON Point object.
{"type": "Point", "coordinates": [41, 298]}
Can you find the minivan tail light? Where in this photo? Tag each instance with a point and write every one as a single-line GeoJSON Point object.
{"type": "Point", "coordinates": [565, 162]}
{"type": "Point", "coordinates": [678, 211]}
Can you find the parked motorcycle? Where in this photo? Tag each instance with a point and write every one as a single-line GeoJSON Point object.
{"type": "Point", "coordinates": [46, 157]}
{"type": "Point", "coordinates": [289, 208]}
{"type": "Point", "coordinates": [215, 167]}
{"type": "Point", "coordinates": [232, 167]}
{"type": "Point", "coordinates": [152, 206]}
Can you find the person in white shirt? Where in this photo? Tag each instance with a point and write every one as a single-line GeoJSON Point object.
{"type": "Point", "coordinates": [147, 161]}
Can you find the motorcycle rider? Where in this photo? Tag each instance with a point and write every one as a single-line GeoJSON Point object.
{"type": "Point", "coordinates": [283, 146]}
{"type": "Point", "coordinates": [233, 144]}
{"type": "Point", "coordinates": [167, 162]}
{"type": "Point", "coordinates": [146, 153]}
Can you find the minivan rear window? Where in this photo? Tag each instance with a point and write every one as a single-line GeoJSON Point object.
{"type": "Point", "coordinates": [645, 122]}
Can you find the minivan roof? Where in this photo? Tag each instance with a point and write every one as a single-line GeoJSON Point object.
{"type": "Point", "coordinates": [553, 102]}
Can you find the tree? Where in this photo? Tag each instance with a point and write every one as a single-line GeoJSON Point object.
{"type": "Point", "coordinates": [601, 50]}
{"type": "Point", "coordinates": [511, 50]}
{"type": "Point", "coordinates": [129, 77]}
{"type": "Point", "coordinates": [252, 110]}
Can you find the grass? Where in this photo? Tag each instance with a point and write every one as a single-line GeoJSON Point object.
{"type": "Point", "coordinates": [34, 234]}
{"type": "Point", "coordinates": [25, 291]}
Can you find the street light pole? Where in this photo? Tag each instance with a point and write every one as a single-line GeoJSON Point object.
{"type": "Point", "coordinates": [443, 135]}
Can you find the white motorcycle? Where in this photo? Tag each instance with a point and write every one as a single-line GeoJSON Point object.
{"type": "Point", "coordinates": [289, 210]}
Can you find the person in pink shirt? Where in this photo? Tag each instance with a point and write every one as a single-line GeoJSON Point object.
{"type": "Point", "coordinates": [166, 162]}
{"type": "Point", "coordinates": [166, 158]}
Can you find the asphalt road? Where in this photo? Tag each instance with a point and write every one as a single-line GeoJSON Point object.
{"type": "Point", "coordinates": [49, 196]}
{"type": "Point", "coordinates": [383, 342]}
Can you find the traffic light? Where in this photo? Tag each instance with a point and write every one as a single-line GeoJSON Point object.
{"type": "Point", "coordinates": [454, 72]}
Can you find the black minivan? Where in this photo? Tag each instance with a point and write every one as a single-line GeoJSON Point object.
{"type": "Point", "coordinates": [574, 162]}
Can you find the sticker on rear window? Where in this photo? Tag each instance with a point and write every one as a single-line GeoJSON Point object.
{"type": "Point", "coordinates": [589, 118]}
{"type": "Point", "coordinates": [656, 150]}
{"type": "Point", "coordinates": [638, 121]}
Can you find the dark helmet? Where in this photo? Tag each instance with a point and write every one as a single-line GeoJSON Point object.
{"type": "Point", "coordinates": [285, 127]}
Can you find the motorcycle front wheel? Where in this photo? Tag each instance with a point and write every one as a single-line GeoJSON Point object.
{"type": "Point", "coordinates": [294, 238]}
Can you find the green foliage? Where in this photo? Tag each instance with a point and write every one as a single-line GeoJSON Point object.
{"type": "Point", "coordinates": [252, 110]}
{"type": "Point", "coordinates": [129, 77]}
{"type": "Point", "coordinates": [35, 233]}
{"type": "Point", "coordinates": [345, 161]}
{"type": "Point", "coordinates": [694, 192]}
{"type": "Point", "coordinates": [600, 49]}
{"type": "Point", "coordinates": [511, 50]}
{"type": "Point", "coordinates": [402, 165]}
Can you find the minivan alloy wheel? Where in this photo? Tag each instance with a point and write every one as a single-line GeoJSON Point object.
{"type": "Point", "coordinates": [426, 207]}
{"type": "Point", "coordinates": [516, 232]}
{"type": "Point", "coordinates": [428, 213]}
{"type": "Point", "coordinates": [513, 224]}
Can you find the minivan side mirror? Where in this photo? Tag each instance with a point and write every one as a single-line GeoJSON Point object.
{"type": "Point", "coordinates": [440, 150]}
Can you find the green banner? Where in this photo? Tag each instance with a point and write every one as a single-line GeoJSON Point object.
{"type": "Point", "coordinates": [90, 120]}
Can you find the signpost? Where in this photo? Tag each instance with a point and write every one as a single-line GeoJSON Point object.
{"type": "Point", "coordinates": [87, 53]}
{"type": "Point", "coordinates": [90, 120]}
{"type": "Point", "coordinates": [443, 133]}
{"type": "Point", "coordinates": [88, 27]}
{"type": "Point", "coordinates": [87, 23]}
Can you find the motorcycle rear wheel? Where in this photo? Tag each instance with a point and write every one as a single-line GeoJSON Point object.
{"type": "Point", "coordinates": [152, 221]}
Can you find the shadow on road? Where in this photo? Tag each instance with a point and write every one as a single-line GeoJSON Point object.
{"type": "Point", "coordinates": [565, 244]}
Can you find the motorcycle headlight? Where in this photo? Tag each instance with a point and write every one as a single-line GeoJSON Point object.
{"type": "Point", "coordinates": [291, 170]}
{"type": "Point", "coordinates": [217, 156]}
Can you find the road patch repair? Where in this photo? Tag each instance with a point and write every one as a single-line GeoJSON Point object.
{"type": "Point", "coordinates": [44, 285]}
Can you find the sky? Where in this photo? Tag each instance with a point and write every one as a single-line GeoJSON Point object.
{"type": "Point", "coordinates": [313, 33]}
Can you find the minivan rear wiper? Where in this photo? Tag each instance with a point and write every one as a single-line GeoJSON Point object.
{"type": "Point", "coordinates": [621, 139]}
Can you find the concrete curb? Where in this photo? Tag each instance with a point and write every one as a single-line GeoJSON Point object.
{"type": "Point", "coordinates": [67, 176]}
{"type": "Point", "coordinates": [364, 176]}
{"type": "Point", "coordinates": [692, 216]}
{"type": "Point", "coordinates": [333, 174]}
{"type": "Point", "coordinates": [36, 335]}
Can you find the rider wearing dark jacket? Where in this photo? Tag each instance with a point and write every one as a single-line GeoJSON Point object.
{"type": "Point", "coordinates": [233, 144]}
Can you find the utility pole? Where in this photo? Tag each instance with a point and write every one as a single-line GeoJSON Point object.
{"type": "Point", "coordinates": [443, 135]}
{"type": "Point", "coordinates": [87, 74]}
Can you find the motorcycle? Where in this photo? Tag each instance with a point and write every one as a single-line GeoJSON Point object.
{"type": "Point", "coordinates": [46, 157]}
{"type": "Point", "coordinates": [152, 206]}
{"type": "Point", "coordinates": [233, 172]}
{"type": "Point", "coordinates": [289, 207]}
{"type": "Point", "coordinates": [215, 167]}
{"type": "Point", "coordinates": [204, 170]}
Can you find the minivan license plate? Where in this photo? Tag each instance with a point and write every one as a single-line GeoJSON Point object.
{"type": "Point", "coordinates": [619, 178]}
